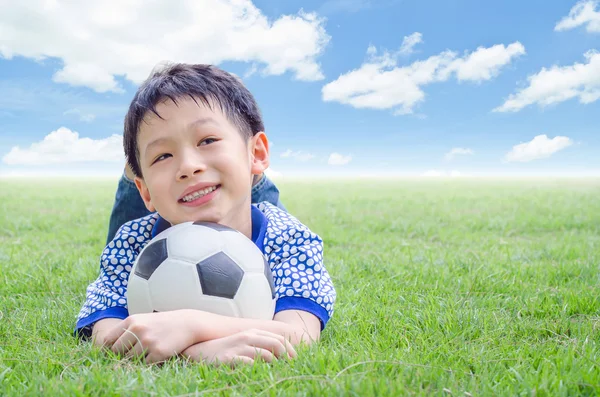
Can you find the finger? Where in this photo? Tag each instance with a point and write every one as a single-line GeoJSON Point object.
{"type": "Point", "coordinates": [289, 349]}
{"type": "Point", "coordinates": [158, 355]}
{"type": "Point", "coordinates": [269, 334]}
{"type": "Point", "coordinates": [191, 351]}
{"type": "Point", "coordinates": [136, 351]}
{"type": "Point", "coordinates": [286, 344]}
{"type": "Point", "coordinates": [239, 360]}
{"type": "Point", "coordinates": [253, 352]}
{"type": "Point", "coordinates": [125, 342]}
{"type": "Point", "coordinates": [153, 358]}
{"type": "Point", "coordinates": [114, 334]}
{"type": "Point", "coordinates": [274, 343]}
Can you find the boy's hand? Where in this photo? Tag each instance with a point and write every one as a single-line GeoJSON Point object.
{"type": "Point", "coordinates": [243, 347]}
{"type": "Point", "coordinates": [158, 336]}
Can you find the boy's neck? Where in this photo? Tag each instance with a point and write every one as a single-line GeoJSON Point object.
{"type": "Point", "coordinates": [251, 227]}
{"type": "Point", "coordinates": [243, 222]}
{"type": "Point", "coordinates": [240, 221]}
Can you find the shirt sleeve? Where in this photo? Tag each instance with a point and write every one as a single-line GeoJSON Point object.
{"type": "Point", "coordinates": [106, 296]}
{"type": "Point", "coordinates": [301, 280]}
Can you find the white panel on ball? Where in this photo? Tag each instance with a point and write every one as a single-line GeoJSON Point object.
{"type": "Point", "coordinates": [254, 299]}
{"type": "Point", "coordinates": [193, 243]}
{"type": "Point", "coordinates": [138, 302]}
{"type": "Point", "coordinates": [175, 285]}
{"type": "Point", "coordinates": [216, 305]}
{"type": "Point", "coordinates": [244, 252]}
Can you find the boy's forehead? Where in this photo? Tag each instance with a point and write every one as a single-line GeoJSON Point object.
{"type": "Point", "coordinates": [168, 108]}
{"type": "Point", "coordinates": [184, 113]}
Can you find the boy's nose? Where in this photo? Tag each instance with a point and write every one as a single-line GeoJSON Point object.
{"type": "Point", "coordinates": [190, 167]}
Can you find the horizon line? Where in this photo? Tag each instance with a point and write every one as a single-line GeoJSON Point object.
{"type": "Point", "coordinates": [320, 176]}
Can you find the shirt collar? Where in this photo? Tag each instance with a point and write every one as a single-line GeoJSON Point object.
{"type": "Point", "coordinates": [259, 227]}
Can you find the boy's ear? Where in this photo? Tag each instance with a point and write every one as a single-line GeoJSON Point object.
{"type": "Point", "coordinates": [145, 193]}
{"type": "Point", "coordinates": [259, 153]}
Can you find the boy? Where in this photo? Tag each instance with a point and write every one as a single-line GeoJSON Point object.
{"type": "Point", "coordinates": [194, 139]}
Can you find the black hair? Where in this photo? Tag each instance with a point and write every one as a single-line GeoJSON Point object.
{"type": "Point", "coordinates": [207, 83]}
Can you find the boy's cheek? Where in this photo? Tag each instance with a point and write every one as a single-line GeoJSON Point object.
{"type": "Point", "coordinates": [150, 207]}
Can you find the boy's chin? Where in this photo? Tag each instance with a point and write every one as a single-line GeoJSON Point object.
{"type": "Point", "coordinates": [184, 219]}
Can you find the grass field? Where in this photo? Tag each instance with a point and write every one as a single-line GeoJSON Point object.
{"type": "Point", "coordinates": [445, 287]}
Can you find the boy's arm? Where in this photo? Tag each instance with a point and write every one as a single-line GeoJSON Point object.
{"type": "Point", "coordinates": [294, 325]}
{"type": "Point", "coordinates": [101, 329]}
{"type": "Point", "coordinates": [165, 334]}
{"type": "Point", "coordinates": [307, 325]}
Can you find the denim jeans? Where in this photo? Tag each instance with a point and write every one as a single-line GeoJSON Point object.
{"type": "Point", "coordinates": [129, 205]}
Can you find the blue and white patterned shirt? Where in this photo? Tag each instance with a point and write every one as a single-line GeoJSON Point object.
{"type": "Point", "coordinates": [294, 253]}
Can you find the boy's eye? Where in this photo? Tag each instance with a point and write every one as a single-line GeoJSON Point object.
{"type": "Point", "coordinates": [207, 141]}
{"type": "Point", "coordinates": [161, 157]}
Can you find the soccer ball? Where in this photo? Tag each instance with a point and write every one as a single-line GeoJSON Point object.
{"type": "Point", "coordinates": [204, 266]}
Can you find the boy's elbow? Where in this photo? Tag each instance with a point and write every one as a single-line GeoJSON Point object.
{"type": "Point", "coordinates": [308, 338]}
{"type": "Point", "coordinates": [301, 327]}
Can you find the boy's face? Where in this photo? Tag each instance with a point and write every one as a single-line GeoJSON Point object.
{"type": "Point", "coordinates": [196, 165]}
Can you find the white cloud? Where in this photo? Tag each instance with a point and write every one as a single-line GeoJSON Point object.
{"type": "Point", "coordinates": [457, 151]}
{"type": "Point", "coordinates": [252, 71]}
{"type": "Point", "coordinates": [298, 155]}
{"type": "Point", "coordinates": [65, 146]}
{"type": "Point", "coordinates": [99, 42]}
{"type": "Point", "coordinates": [485, 63]}
{"type": "Point", "coordinates": [87, 117]}
{"type": "Point", "coordinates": [272, 174]}
{"type": "Point", "coordinates": [381, 84]}
{"type": "Point", "coordinates": [558, 84]}
{"type": "Point", "coordinates": [338, 159]}
{"type": "Point", "coordinates": [582, 13]}
{"type": "Point", "coordinates": [538, 148]}
{"type": "Point", "coordinates": [409, 42]}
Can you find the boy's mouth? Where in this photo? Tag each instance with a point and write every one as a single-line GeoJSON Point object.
{"type": "Point", "coordinates": [198, 193]}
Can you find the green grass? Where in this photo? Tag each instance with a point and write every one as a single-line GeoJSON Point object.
{"type": "Point", "coordinates": [455, 287]}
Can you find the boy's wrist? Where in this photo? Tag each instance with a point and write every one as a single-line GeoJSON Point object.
{"type": "Point", "coordinates": [204, 326]}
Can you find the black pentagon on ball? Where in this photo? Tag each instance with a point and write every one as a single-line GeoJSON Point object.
{"type": "Point", "coordinates": [219, 276]}
{"type": "Point", "coordinates": [216, 226]}
{"type": "Point", "coordinates": [269, 276]}
{"type": "Point", "coordinates": [154, 254]}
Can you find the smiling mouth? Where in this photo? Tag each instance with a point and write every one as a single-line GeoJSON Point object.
{"type": "Point", "coordinates": [199, 193]}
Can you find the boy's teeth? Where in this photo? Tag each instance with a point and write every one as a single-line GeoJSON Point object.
{"type": "Point", "coordinates": [199, 193]}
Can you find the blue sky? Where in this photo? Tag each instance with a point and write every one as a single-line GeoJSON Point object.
{"type": "Point", "coordinates": [346, 87]}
